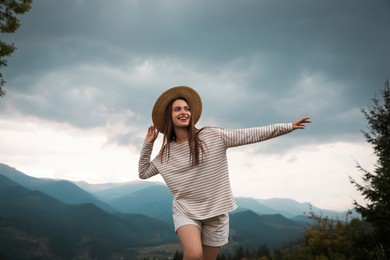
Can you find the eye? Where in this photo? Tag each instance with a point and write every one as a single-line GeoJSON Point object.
{"type": "Point", "coordinates": [187, 108]}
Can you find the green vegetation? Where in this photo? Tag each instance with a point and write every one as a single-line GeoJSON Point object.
{"type": "Point", "coordinates": [9, 24]}
{"type": "Point", "coordinates": [376, 187]}
{"type": "Point", "coordinates": [331, 239]}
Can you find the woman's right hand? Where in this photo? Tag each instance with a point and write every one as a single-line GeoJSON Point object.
{"type": "Point", "coordinates": [151, 134]}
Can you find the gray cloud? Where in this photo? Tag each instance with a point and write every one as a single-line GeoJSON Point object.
{"type": "Point", "coordinates": [91, 62]}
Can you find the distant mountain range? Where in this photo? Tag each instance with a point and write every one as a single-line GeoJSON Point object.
{"type": "Point", "coordinates": [62, 219]}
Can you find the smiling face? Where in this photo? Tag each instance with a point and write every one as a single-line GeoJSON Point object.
{"type": "Point", "coordinates": [181, 114]}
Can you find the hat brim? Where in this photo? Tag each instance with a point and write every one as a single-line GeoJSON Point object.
{"type": "Point", "coordinates": [190, 95]}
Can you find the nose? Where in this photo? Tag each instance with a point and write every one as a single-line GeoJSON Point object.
{"type": "Point", "coordinates": [184, 111]}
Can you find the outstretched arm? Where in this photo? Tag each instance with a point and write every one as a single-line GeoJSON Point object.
{"type": "Point", "coordinates": [300, 124]}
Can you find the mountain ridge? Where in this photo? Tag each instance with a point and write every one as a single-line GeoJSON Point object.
{"type": "Point", "coordinates": [139, 214]}
{"type": "Point", "coordinates": [63, 190]}
{"type": "Point", "coordinates": [114, 196]}
{"type": "Point", "coordinates": [69, 229]}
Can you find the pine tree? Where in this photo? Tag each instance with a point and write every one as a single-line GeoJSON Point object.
{"type": "Point", "coordinates": [263, 250]}
{"type": "Point", "coordinates": [376, 187]}
{"type": "Point", "coordinates": [9, 23]}
{"type": "Point", "coordinates": [240, 253]}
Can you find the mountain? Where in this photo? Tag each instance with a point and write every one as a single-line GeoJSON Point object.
{"type": "Point", "coordinates": [35, 224]}
{"type": "Point", "coordinates": [127, 197]}
{"type": "Point", "coordinates": [254, 205]}
{"type": "Point", "coordinates": [154, 201]}
{"type": "Point", "coordinates": [152, 198]}
{"type": "Point", "coordinates": [52, 218]}
{"type": "Point", "coordinates": [62, 190]}
{"type": "Point", "coordinates": [288, 207]}
{"type": "Point", "coordinates": [252, 230]}
{"type": "Point", "coordinates": [111, 191]}
{"type": "Point", "coordinates": [293, 209]}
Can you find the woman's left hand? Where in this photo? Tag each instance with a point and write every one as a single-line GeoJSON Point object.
{"type": "Point", "coordinates": [300, 124]}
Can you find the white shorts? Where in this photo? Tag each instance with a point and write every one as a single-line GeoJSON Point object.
{"type": "Point", "coordinates": [215, 230]}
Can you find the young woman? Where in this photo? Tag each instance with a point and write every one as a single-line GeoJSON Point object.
{"type": "Point", "coordinates": [194, 166]}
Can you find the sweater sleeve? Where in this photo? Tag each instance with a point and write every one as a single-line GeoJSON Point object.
{"type": "Point", "coordinates": [146, 168]}
{"type": "Point", "coordinates": [237, 137]}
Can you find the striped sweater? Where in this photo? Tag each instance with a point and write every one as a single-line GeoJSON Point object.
{"type": "Point", "coordinates": [204, 191]}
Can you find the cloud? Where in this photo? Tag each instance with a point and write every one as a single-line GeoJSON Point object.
{"type": "Point", "coordinates": [95, 68]}
{"type": "Point", "coordinates": [57, 150]}
{"type": "Point", "coordinates": [307, 173]}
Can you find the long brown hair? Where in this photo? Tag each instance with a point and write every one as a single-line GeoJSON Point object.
{"type": "Point", "coordinates": [197, 146]}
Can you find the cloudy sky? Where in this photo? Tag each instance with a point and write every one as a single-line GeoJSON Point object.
{"type": "Point", "coordinates": [82, 83]}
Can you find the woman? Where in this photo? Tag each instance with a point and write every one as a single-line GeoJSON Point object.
{"type": "Point", "coordinates": [194, 166]}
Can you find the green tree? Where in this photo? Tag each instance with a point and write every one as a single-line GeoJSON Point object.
{"type": "Point", "coordinates": [263, 251]}
{"type": "Point", "coordinates": [327, 239]}
{"type": "Point", "coordinates": [376, 186]}
{"type": "Point", "coordinates": [240, 253]}
{"type": "Point", "coordinates": [9, 23]}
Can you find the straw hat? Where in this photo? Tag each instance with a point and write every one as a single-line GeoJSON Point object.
{"type": "Point", "coordinates": [190, 95]}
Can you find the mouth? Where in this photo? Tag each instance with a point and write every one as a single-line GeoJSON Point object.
{"type": "Point", "coordinates": [183, 118]}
